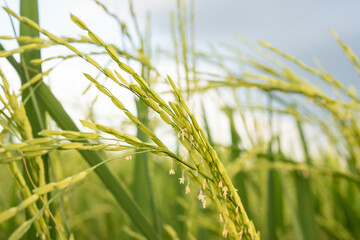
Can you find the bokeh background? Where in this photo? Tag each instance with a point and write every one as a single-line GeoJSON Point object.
{"type": "Point", "coordinates": [300, 28]}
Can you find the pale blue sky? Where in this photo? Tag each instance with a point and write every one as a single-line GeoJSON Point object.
{"type": "Point", "coordinates": [300, 28]}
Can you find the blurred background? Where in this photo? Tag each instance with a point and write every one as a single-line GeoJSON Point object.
{"type": "Point", "coordinates": [293, 157]}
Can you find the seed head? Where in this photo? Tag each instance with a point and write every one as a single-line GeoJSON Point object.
{"type": "Point", "coordinates": [204, 203]}
{"type": "Point", "coordinates": [187, 189]}
{"type": "Point", "coordinates": [202, 198]}
{"type": "Point", "coordinates": [241, 232]}
{"type": "Point", "coordinates": [225, 232]}
{"type": "Point", "coordinates": [183, 155]}
{"type": "Point", "coordinates": [224, 190]}
{"type": "Point", "coordinates": [182, 179]}
{"type": "Point", "coordinates": [182, 133]}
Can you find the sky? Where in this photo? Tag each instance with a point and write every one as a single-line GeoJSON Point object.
{"type": "Point", "coordinates": [300, 28]}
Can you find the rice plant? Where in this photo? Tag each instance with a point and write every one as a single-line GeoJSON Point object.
{"type": "Point", "coordinates": [171, 178]}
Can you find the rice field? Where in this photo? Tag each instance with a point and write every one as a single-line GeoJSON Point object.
{"type": "Point", "coordinates": [265, 150]}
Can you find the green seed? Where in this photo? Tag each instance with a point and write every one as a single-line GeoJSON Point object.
{"type": "Point", "coordinates": [112, 52]}
{"type": "Point", "coordinates": [117, 103]}
{"type": "Point", "coordinates": [96, 39]}
{"type": "Point", "coordinates": [165, 117]}
{"type": "Point", "coordinates": [78, 22]}
{"type": "Point", "coordinates": [67, 146]}
{"type": "Point", "coordinates": [138, 90]}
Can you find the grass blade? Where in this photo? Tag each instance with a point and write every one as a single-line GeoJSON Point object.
{"type": "Point", "coordinates": [34, 108]}
{"type": "Point", "coordinates": [275, 209]}
{"type": "Point", "coordinates": [305, 196]}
